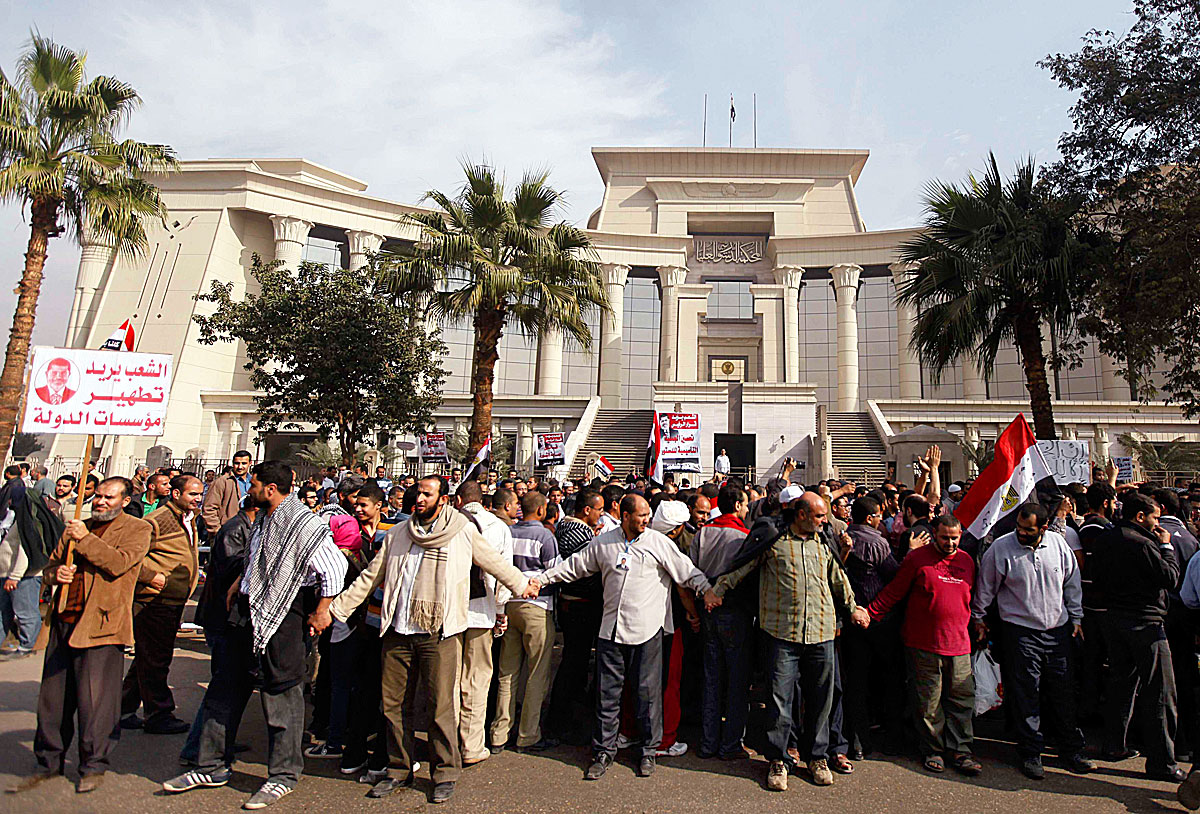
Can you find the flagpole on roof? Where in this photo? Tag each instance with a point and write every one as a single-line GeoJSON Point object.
{"type": "Point", "coordinates": [754, 117]}
{"type": "Point", "coordinates": [732, 116]}
{"type": "Point", "coordinates": [704, 124]}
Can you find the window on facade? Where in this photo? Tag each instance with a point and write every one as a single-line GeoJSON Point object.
{"type": "Point", "coordinates": [327, 251]}
{"type": "Point", "coordinates": [730, 299]}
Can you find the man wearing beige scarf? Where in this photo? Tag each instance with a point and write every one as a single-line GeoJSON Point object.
{"type": "Point", "coordinates": [424, 567]}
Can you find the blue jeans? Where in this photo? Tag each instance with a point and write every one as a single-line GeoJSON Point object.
{"type": "Point", "coordinates": [809, 668]}
{"type": "Point", "coordinates": [19, 610]}
{"type": "Point", "coordinates": [217, 648]}
{"type": "Point", "coordinates": [726, 688]}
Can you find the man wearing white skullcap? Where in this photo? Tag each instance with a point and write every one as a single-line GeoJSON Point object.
{"type": "Point", "coordinates": [637, 566]}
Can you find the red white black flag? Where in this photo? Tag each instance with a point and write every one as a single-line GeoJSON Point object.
{"type": "Point", "coordinates": [1007, 482]}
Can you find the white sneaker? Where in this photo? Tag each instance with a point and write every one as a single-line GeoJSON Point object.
{"type": "Point", "coordinates": [677, 749]}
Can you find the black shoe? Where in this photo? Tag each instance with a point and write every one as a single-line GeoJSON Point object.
{"type": "Point", "coordinates": [1031, 767]}
{"type": "Point", "coordinates": [389, 785]}
{"type": "Point", "coordinates": [131, 721]}
{"type": "Point", "coordinates": [856, 754]}
{"type": "Point", "coordinates": [540, 746]}
{"type": "Point", "coordinates": [1175, 775]}
{"type": "Point", "coordinates": [645, 767]}
{"type": "Point", "coordinates": [442, 792]}
{"type": "Point", "coordinates": [496, 748]}
{"type": "Point", "coordinates": [737, 754]}
{"type": "Point", "coordinates": [599, 766]}
{"type": "Point", "coordinates": [1080, 764]}
{"type": "Point", "coordinates": [1117, 757]}
{"type": "Point", "coordinates": [168, 725]}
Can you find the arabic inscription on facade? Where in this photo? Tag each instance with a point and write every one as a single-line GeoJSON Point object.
{"type": "Point", "coordinates": [720, 250]}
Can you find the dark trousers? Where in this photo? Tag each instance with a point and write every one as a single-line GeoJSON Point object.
{"type": "Point", "coordinates": [809, 669]}
{"type": "Point", "coordinates": [579, 621]}
{"type": "Point", "coordinates": [428, 662]}
{"type": "Point", "coordinates": [84, 681]}
{"type": "Point", "coordinates": [1093, 654]}
{"type": "Point", "coordinates": [366, 728]}
{"type": "Point", "coordinates": [318, 724]}
{"type": "Point", "coordinates": [872, 663]}
{"type": "Point", "coordinates": [218, 649]}
{"type": "Point", "coordinates": [1181, 638]}
{"type": "Point", "coordinates": [1141, 675]}
{"type": "Point", "coordinates": [155, 624]}
{"type": "Point", "coordinates": [642, 663]}
{"type": "Point", "coordinates": [1037, 668]}
{"type": "Point", "coordinates": [724, 699]}
{"type": "Point", "coordinates": [282, 697]}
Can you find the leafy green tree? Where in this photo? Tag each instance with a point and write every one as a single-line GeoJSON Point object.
{"type": "Point", "coordinates": [1132, 153]}
{"type": "Point", "coordinates": [499, 263]}
{"type": "Point", "coordinates": [61, 158]}
{"type": "Point", "coordinates": [324, 348]}
{"type": "Point", "coordinates": [995, 260]}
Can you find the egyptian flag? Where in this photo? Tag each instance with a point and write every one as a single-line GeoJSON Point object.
{"type": "Point", "coordinates": [652, 466]}
{"type": "Point", "coordinates": [604, 469]}
{"type": "Point", "coordinates": [121, 339]}
{"type": "Point", "coordinates": [1007, 482]}
{"type": "Point", "coordinates": [484, 454]}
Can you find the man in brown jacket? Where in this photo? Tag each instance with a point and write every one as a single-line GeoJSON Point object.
{"type": "Point", "coordinates": [165, 582]}
{"type": "Point", "coordinates": [90, 622]}
{"type": "Point", "coordinates": [225, 494]}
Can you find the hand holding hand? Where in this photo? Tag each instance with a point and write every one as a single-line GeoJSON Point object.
{"type": "Point", "coordinates": [532, 590]}
{"type": "Point", "coordinates": [158, 582]}
{"type": "Point", "coordinates": [981, 630]}
{"type": "Point", "coordinates": [64, 574]}
{"type": "Point", "coordinates": [77, 530]}
{"type": "Point", "coordinates": [693, 622]}
{"type": "Point", "coordinates": [10, 585]}
{"type": "Point", "coordinates": [711, 600]}
{"type": "Point", "coordinates": [318, 620]}
{"type": "Point", "coordinates": [501, 625]}
{"type": "Point", "coordinates": [1077, 631]}
{"type": "Point", "coordinates": [860, 617]}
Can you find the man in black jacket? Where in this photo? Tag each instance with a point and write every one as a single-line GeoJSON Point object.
{"type": "Point", "coordinates": [216, 613]}
{"type": "Point", "coordinates": [1180, 628]}
{"type": "Point", "coordinates": [1135, 569]}
{"type": "Point", "coordinates": [1097, 522]}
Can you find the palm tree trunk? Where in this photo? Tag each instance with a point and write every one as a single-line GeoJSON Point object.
{"type": "Point", "coordinates": [489, 327]}
{"type": "Point", "coordinates": [42, 216]}
{"type": "Point", "coordinates": [1029, 342]}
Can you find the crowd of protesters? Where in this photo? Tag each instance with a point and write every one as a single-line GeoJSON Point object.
{"type": "Point", "coordinates": [861, 616]}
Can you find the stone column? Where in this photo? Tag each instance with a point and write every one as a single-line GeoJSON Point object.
{"type": "Point", "coordinates": [907, 364]}
{"type": "Point", "coordinates": [792, 280]}
{"type": "Point", "coordinates": [290, 236]}
{"type": "Point", "coordinates": [549, 364]}
{"type": "Point", "coordinates": [693, 302]}
{"type": "Point", "coordinates": [768, 304]}
{"type": "Point", "coordinates": [525, 460]}
{"type": "Point", "coordinates": [974, 385]}
{"type": "Point", "coordinates": [612, 325]}
{"type": "Point", "coordinates": [1100, 445]}
{"type": "Point", "coordinates": [1047, 352]}
{"type": "Point", "coordinates": [1113, 387]}
{"type": "Point", "coordinates": [362, 245]}
{"type": "Point", "coordinates": [845, 288]}
{"type": "Point", "coordinates": [971, 436]}
{"type": "Point", "coordinates": [95, 256]}
{"type": "Point", "coordinates": [669, 278]}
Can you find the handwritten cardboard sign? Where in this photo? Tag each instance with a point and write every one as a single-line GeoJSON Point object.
{"type": "Point", "coordinates": [1069, 461]}
{"type": "Point", "coordinates": [78, 391]}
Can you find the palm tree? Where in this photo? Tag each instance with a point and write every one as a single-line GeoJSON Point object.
{"type": "Point", "coordinates": [1177, 455]}
{"type": "Point", "coordinates": [60, 157]}
{"type": "Point", "coordinates": [994, 262]}
{"type": "Point", "coordinates": [499, 263]}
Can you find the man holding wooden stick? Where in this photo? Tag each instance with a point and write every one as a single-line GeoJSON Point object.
{"type": "Point", "coordinates": [95, 569]}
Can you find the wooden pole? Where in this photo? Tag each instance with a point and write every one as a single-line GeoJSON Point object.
{"type": "Point", "coordinates": [85, 469]}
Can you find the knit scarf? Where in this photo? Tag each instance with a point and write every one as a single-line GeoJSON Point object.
{"type": "Point", "coordinates": [730, 521]}
{"type": "Point", "coordinates": [427, 610]}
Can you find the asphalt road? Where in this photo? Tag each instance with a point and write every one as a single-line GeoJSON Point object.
{"type": "Point", "coordinates": [548, 782]}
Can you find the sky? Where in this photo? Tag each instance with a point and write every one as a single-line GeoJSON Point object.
{"type": "Point", "coordinates": [398, 93]}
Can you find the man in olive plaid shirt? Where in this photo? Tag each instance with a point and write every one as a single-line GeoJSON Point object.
{"type": "Point", "coordinates": [801, 590]}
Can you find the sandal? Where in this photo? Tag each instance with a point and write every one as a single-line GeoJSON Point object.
{"type": "Point", "coordinates": [934, 763]}
{"type": "Point", "coordinates": [841, 764]}
{"type": "Point", "coordinates": [965, 764]}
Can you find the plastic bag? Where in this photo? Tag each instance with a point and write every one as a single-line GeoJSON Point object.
{"type": "Point", "coordinates": [989, 691]}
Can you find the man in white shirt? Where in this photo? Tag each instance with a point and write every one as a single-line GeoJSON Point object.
{"type": "Point", "coordinates": [722, 464]}
{"type": "Point", "coordinates": [484, 614]}
{"type": "Point", "coordinates": [637, 566]}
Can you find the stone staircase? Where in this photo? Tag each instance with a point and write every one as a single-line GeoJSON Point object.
{"type": "Point", "coordinates": [858, 452]}
{"type": "Point", "coordinates": [618, 435]}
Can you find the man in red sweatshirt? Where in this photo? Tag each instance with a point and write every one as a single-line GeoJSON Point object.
{"type": "Point", "coordinates": [936, 579]}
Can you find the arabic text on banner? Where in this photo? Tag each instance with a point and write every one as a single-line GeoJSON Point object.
{"type": "Point", "coordinates": [680, 434]}
{"type": "Point", "coordinates": [433, 447]}
{"type": "Point", "coordinates": [551, 449]}
{"type": "Point", "coordinates": [77, 391]}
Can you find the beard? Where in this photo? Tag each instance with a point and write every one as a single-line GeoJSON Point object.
{"type": "Point", "coordinates": [104, 517]}
{"type": "Point", "coordinates": [424, 516]}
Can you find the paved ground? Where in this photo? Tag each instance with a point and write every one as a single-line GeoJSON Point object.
{"type": "Point", "coordinates": [550, 782]}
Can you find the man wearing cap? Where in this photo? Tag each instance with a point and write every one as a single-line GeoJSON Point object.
{"type": "Point", "coordinates": [637, 566]}
{"type": "Point", "coordinates": [801, 590]}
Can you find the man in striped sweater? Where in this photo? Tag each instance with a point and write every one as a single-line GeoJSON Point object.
{"type": "Point", "coordinates": [530, 635]}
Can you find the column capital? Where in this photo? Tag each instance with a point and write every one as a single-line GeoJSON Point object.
{"type": "Point", "coordinates": [671, 276]}
{"type": "Point", "coordinates": [363, 242]}
{"type": "Point", "coordinates": [290, 229]}
{"type": "Point", "coordinates": [614, 274]}
{"type": "Point", "coordinates": [902, 272]}
{"type": "Point", "coordinates": [845, 281]}
{"type": "Point", "coordinates": [89, 237]}
{"type": "Point", "coordinates": [789, 276]}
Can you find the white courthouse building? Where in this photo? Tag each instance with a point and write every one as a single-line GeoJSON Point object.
{"type": "Point", "coordinates": [745, 286]}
